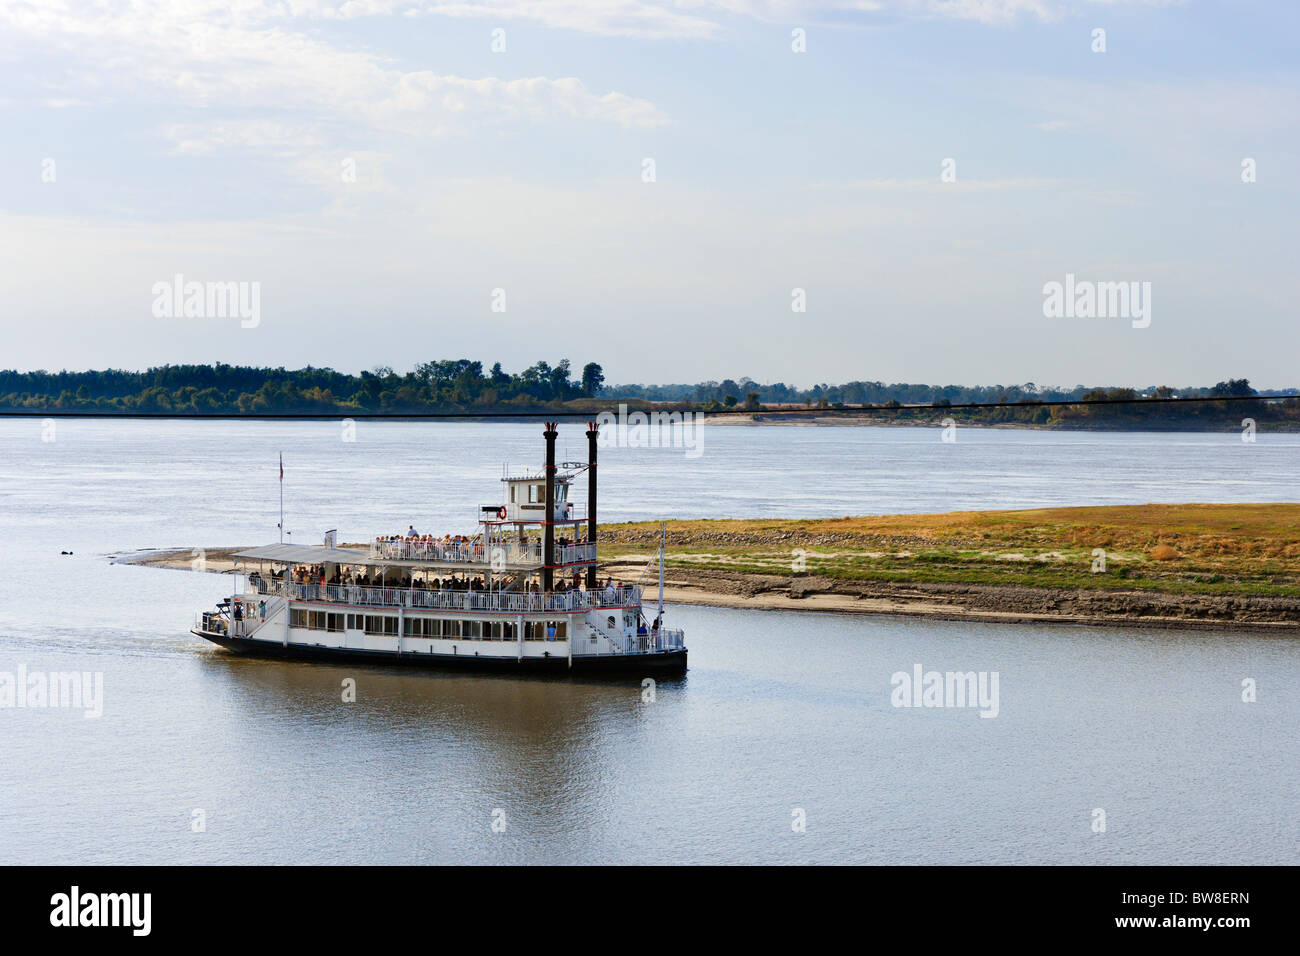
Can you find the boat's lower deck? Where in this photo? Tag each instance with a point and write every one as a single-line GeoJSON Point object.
{"type": "Point", "coordinates": [463, 656]}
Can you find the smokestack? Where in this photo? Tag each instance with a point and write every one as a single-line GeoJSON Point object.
{"type": "Point", "coordinates": [593, 432]}
{"type": "Point", "coordinates": [548, 529]}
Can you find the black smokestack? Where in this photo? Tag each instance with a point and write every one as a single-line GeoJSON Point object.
{"type": "Point", "coordinates": [548, 529]}
{"type": "Point", "coordinates": [593, 432]}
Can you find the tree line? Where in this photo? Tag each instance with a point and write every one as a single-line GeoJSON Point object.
{"type": "Point", "coordinates": [458, 384]}
{"type": "Point", "coordinates": [466, 386]}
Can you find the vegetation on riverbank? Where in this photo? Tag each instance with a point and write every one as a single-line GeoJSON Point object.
{"type": "Point", "coordinates": [1191, 549]}
{"type": "Point", "coordinates": [466, 387]}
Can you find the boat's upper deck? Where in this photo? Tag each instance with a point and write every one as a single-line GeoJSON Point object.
{"type": "Point", "coordinates": [463, 555]}
{"type": "Point", "coordinates": [502, 555]}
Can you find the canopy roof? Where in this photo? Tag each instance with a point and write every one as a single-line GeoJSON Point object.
{"type": "Point", "coordinates": [319, 554]}
{"type": "Point", "coordinates": [305, 554]}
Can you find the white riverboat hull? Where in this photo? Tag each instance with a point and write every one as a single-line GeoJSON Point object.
{"type": "Point", "coordinates": [504, 657]}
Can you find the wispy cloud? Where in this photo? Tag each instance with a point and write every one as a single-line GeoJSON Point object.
{"type": "Point", "coordinates": [196, 53]}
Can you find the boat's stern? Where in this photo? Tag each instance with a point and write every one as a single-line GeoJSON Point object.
{"type": "Point", "coordinates": [212, 626]}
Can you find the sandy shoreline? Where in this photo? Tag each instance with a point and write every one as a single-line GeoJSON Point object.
{"type": "Point", "coordinates": [992, 604]}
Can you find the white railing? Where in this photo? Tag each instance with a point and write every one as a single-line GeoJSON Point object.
{"type": "Point", "coordinates": [502, 601]}
{"type": "Point", "coordinates": [575, 553]}
{"type": "Point", "coordinates": [409, 549]}
{"type": "Point", "coordinates": [651, 642]}
{"type": "Point", "coordinates": [667, 640]}
{"type": "Point", "coordinates": [492, 553]}
{"type": "Point", "coordinates": [254, 617]}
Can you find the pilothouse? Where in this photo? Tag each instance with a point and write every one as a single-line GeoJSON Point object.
{"type": "Point", "coordinates": [520, 593]}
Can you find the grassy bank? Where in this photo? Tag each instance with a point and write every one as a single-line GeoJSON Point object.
{"type": "Point", "coordinates": [1201, 549]}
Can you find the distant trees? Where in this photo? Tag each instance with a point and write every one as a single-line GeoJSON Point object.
{"type": "Point", "coordinates": [1233, 388]}
{"type": "Point", "coordinates": [464, 384]}
{"type": "Point", "coordinates": [217, 389]}
{"type": "Point", "coordinates": [593, 377]}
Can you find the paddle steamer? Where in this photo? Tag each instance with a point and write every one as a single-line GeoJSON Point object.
{"type": "Point", "coordinates": [519, 594]}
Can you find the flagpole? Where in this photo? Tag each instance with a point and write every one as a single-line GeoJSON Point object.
{"type": "Point", "coordinates": [282, 497]}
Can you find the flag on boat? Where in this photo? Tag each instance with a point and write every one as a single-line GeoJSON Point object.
{"type": "Point", "coordinates": [282, 466]}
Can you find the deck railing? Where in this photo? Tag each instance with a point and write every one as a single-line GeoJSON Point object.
{"type": "Point", "coordinates": [423, 598]}
{"type": "Point", "coordinates": [502, 553]}
{"type": "Point", "coordinates": [667, 640]}
{"type": "Point", "coordinates": [408, 549]}
{"type": "Point", "coordinates": [575, 553]}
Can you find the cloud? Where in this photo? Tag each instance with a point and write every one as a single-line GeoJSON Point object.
{"type": "Point", "coordinates": [989, 11]}
{"type": "Point", "coordinates": [198, 53]}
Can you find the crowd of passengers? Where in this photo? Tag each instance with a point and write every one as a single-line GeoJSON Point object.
{"type": "Point", "coordinates": [314, 574]}
{"type": "Point", "coordinates": [414, 544]}
{"type": "Point", "coordinates": [431, 543]}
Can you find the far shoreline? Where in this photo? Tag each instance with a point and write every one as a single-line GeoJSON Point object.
{"type": "Point", "coordinates": [820, 418]}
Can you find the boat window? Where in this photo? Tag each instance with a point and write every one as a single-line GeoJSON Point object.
{"type": "Point", "coordinates": [297, 618]}
{"type": "Point", "coordinates": [536, 493]}
{"type": "Point", "coordinates": [334, 622]}
{"type": "Point", "coordinates": [512, 494]}
{"type": "Point", "coordinates": [316, 620]}
{"type": "Point", "coordinates": [380, 624]}
{"type": "Point", "coordinates": [469, 629]}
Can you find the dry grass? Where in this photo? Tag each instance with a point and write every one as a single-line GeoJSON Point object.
{"type": "Point", "coordinates": [1211, 548]}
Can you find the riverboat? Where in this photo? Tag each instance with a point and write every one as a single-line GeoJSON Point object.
{"type": "Point", "coordinates": [519, 594]}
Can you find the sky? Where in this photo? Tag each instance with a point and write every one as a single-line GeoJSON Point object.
{"type": "Point", "coordinates": [680, 190]}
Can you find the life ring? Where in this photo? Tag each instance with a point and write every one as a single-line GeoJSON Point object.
{"type": "Point", "coordinates": [501, 512]}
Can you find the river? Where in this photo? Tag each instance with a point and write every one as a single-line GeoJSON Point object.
{"type": "Point", "coordinates": [781, 744]}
